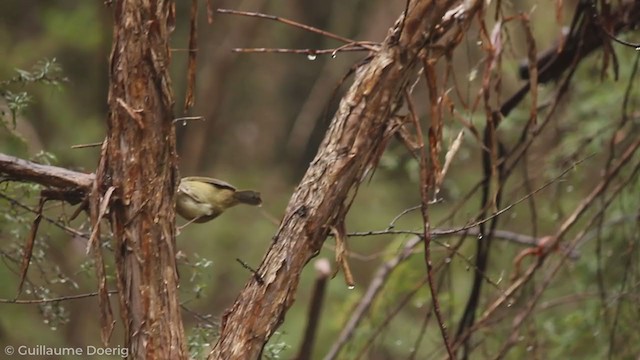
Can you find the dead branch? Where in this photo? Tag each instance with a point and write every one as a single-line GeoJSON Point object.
{"type": "Point", "coordinates": [14, 168]}
{"type": "Point", "coordinates": [323, 272]}
{"type": "Point", "coordinates": [297, 25]}
{"type": "Point", "coordinates": [56, 299]}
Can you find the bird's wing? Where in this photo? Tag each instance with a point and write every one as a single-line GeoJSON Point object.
{"type": "Point", "coordinates": [215, 182]}
{"type": "Point", "coordinates": [192, 194]}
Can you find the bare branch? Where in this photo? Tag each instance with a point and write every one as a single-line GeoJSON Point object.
{"type": "Point", "coordinates": [56, 299]}
{"type": "Point", "coordinates": [292, 23]}
{"type": "Point", "coordinates": [52, 176]}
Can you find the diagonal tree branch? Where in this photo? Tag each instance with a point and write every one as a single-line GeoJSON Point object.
{"type": "Point", "coordinates": [352, 146]}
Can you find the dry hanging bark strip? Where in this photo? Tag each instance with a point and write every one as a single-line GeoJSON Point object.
{"type": "Point", "coordinates": [106, 313]}
{"type": "Point", "coordinates": [533, 68]}
{"type": "Point", "coordinates": [435, 117]}
{"type": "Point", "coordinates": [191, 64]}
{"type": "Point", "coordinates": [210, 11]}
{"type": "Point", "coordinates": [104, 206]}
{"type": "Point", "coordinates": [342, 254]}
{"type": "Point", "coordinates": [27, 251]}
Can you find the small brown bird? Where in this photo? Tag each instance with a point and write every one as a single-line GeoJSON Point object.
{"type": "Point", "coordinates": [201, 199]}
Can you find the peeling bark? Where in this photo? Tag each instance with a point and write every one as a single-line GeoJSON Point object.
{"type": "Point", "coordinates": [139, 161]}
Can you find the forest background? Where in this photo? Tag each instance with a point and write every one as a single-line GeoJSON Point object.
{"type": "Point", "coordinates": [265, 115]}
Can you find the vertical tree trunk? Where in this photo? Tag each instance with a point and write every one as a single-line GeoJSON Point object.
{"type": "Point", "coordinates": [139, 162]}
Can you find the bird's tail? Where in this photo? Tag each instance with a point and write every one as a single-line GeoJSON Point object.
{"type": "Point", "coordinates": [248, 197]}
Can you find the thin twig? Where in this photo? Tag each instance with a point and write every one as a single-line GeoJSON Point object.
{"type": "Point", "coordinates": [290, 23]}
{"type": "Point", "coordinates": [562, 230]}
{"type": "Point", "coordinates": [56, 223]}
{"type": "Point", "coordinates": [510, 206]}
{"type": "Point", "coordinates": [252, 270]}
{"type": "Point", "coordinates": [426, 183]}
{"type": "Point", "coordinates": [520, 318]}
{"type": "Point", "coordinates": [61, 298]}
{"type": "Point", "coordinates": [82, 146]}
{"type": "Point", "coordinates": [184, 119]}
{"type": "Point", "coordinates": [506, 235]}
{"type": "Point", "coordinates": [200, 317]}
{"type": "Point", "coordinates": [310, 52]}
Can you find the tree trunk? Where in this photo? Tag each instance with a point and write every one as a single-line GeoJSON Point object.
{"type": "Point", "coordinates": [139, 163]}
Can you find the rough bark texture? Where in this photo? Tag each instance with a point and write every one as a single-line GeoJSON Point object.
{"type": "Point", "coordinates": [352, 146]}
{"type": "Point", "coordinates": [50, 176]}
{"type": "Point", "coordinates": [139, 162]}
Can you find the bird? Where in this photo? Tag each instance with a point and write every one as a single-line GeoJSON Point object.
{"type": "Point", "coordinates": [201, 199]}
